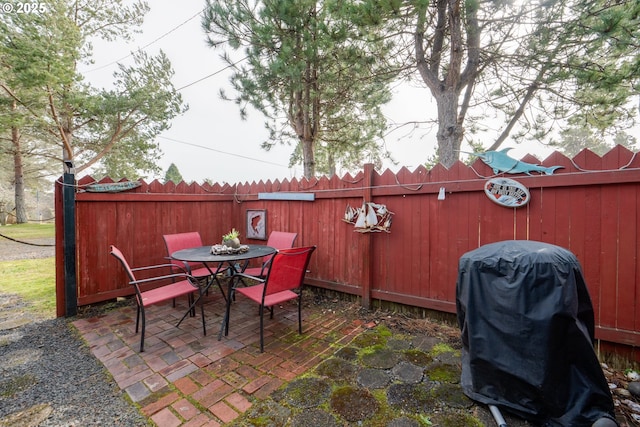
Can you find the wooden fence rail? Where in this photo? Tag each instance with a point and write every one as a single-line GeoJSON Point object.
{"type": "Point", "coordinates": [590, 206]}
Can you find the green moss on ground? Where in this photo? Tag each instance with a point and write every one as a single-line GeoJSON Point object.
{"type": "Point", "coordinates": [15, 385]}
{"type": "Point", "coordinates": [354, 404]}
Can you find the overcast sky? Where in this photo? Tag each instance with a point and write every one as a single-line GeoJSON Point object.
{"type": "Point", "coordinates": [210, 140]}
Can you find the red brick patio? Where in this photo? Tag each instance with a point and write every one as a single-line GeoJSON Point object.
{"type": "Point", "coordinates": [186, 379]}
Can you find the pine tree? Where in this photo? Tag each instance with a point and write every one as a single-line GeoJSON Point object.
{"type": "Point", "coordinates": [173, 174]}
{"type": "Point", "coordinates": [314, 69]}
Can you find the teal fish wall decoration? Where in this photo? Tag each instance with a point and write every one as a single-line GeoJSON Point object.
{"type": "Point", "coordinates": [500, 161]}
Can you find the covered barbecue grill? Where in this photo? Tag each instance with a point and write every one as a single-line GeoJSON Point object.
{"type": "Point", "coordinates": [527, 328]}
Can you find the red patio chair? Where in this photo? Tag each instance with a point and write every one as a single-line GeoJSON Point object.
{"type": "Point", "coordinates": [179, 241]}
{"type": "Point", "coordinates": [187, 286]}
{"type": "Point", "coordinates": [284, 282]}
{"type": "Point", "coordinates": [278, 240]}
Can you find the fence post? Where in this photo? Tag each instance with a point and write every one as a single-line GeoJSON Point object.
{"type": "Point", "coordinates": [366, 244]}
{"type": "Point", "coordinates": [69, 243]}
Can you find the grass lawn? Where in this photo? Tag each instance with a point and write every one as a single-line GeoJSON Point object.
{"type": "Point", "coordinates": [32, 279]}
{"type": "Point", "coordinates": [28, 231]}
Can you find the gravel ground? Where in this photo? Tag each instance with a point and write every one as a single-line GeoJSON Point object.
{"type": "Point", "coordinates": [48, 376]}
{"type": "Point", "coordinates": [46, 367]}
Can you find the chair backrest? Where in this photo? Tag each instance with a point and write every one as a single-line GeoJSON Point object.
{"type": "Point", "coordinates": [281, 239]}
{"type": "Point", "coordinates": [288, 268]}
{"type": "Point", "coordinates": [116, 253]}
{"type": "Point", "coordinates": [179, 241]}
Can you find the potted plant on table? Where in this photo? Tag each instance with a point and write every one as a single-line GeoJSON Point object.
{"type": "Point", "coordinates": [231, 239]}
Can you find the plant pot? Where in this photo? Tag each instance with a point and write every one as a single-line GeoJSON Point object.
{"type": "Point", "coordinates": [232, 243]}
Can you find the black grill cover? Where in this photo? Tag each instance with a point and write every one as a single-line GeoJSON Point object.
{"type": "Point", "coordinates": [527, 332]}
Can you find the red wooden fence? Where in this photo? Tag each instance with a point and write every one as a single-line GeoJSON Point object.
{"type": "Point", "coordinates": [590, 206]}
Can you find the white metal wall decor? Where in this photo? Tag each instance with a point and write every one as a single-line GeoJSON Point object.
{"type": "Point", "coordinates": [370, 218]}
{"type": "Point", "coordinates": [507, 192]}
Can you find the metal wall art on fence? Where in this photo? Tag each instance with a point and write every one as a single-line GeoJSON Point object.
{"type": "Point", "coordinates": [370, 218]}
{"type": "Point", "coordinates": [112, 187]}
{"type": "Point", "coordinates": [507, 192]}
{"type": "Point", "coordinates": [500, 161]}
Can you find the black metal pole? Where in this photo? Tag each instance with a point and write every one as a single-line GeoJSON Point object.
{"type": "Point", "coordinates": [69, 243]}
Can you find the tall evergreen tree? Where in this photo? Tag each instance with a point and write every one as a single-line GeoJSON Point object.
{"type": "Point", "coordinates": [314, 69]}
{"type": "Point", "coordinates": [49, 105]}
{"type": "Point", "coordinates": [24, 101]}
{"type": "Point", "coordinates": [608, 72]}
{"type": "Point", "coordinates": [109, 129]}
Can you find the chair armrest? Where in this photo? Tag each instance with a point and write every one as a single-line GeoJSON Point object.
{"type": "Point", "coordinates": [182, 265]}
{"type": "Point", "coordinates": [192, 280]}
{"type": "Point", "coordinates": [151, 267]}
{"type": "Point", "coordinates": [241, 276]}
{"type": "Point", "coordinates": [186, 268]}
{"type": "Point", "coordinates": [265, 265]}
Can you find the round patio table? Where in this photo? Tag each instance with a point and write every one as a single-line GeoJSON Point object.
{"type": "Point", "coordinates": [222, 262]}
{"type": "Point", "coordinates": [203, 254]}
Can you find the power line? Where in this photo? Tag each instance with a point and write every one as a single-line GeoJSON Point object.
{"type": "Point", "coordinates": [147, 45]}
{"type": "Point", "coordinates": [211, 75]}
{"type": "Point", "coordinates": [188, 85]}
{"type": "Point", "coordinates": [222, 152]}
{"type": "Point", "coordinates": [160, 38]}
